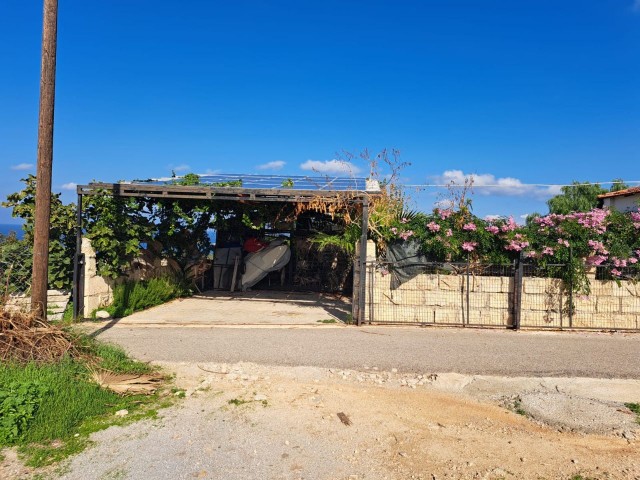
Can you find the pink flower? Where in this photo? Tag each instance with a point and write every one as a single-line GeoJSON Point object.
{"type": "Point", "coordinates": [492, 229]}
{"type": "Point", "coordinates": [596, 259]}
{"type": "Point", "coordinates": [632, 260]}
{"type": "Point", "coordinates": [516, 245]}
{"type": "Point", "coordinates": [469, 226]}
{"type": "Point", "coordinates": [404, 220]}
{"type": "Point", "coordinates": [469, 246]}
{"type": "Point", "coordinates": [563, 242]}
{"type": "Point", "coordinates": [449, 233]}
{"type": "Point", "coordinates": [444, 214]}
{"type": "Point", "coordinates": [433, 227]}
{"type": "Point", "coordinates": [618, 262]}
{"type": "Point", "coordinates": [394, 230]}
{"type": "Point", "coordinates": [547, 251]}
{"type": "Point", "coordinates": [598, 247]}
{"type": "Point", "coordinates": [510, 226]}
{"type": "Point", "coordinates": [407, 234]}
{"type": "Point", "coordinates": [616, 272]}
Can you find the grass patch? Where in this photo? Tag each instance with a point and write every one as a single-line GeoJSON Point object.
{"type": "Point", "coordinates": [49, 410]}
{"type": "Point", "coordinates": [635, 408]}
{"type": "Point", "coordinates": [133, 296]}
{"type": "Point", "coordinates": [237, 402]}
{"type": "Point", "coordinates": [517, 407]}
{"type": "Point", "coordinates": [327, 320]}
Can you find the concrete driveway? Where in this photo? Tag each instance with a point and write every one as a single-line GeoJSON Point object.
{"type": "Point", "coordinates": [258, 307]}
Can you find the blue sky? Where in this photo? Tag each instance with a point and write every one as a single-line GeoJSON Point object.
{"type": "Point", "coordinates": [516, 92]}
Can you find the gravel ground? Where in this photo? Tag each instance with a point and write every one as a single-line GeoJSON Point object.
{"type": "Point", "coordinates": [254, 422]}
{"type": "Point", "coordinates": [468, 351]}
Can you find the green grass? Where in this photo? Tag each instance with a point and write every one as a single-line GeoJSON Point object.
{"type": "Point", "coordinates": [133, 296]}
{"type": "Point", "coordinates": [73, 406]}
{"type": "Point", "coordinates": [635, 408]}
{"type": "Point", "coordinates": [327, 320]}
{"type": "Point", "coordinates": [517, 408]}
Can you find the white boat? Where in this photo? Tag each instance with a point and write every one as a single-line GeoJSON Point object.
{"type": "Point", "coordinates": [258, 264]}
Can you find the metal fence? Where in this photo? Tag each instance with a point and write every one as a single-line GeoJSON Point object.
{"type": "Point", "coordinates": [15, 269]}
{"type": "Point", "coordinates": [518, 295]}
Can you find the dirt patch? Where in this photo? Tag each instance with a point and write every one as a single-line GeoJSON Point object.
{"type": "Point", "coordinates": [245, 421]}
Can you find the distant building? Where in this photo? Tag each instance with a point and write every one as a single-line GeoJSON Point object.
{"type": "Point", "coordinates": [622, 200]}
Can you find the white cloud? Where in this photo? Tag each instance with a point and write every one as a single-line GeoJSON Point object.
{"type": "Point", "coordinates": [489, 184]}
{"type": "Point", "coordinates": [22, 166]}
{"type": "Point", "coordinates": [69, 186]}
{"type": "Point", "coordinates": [443, 204]}
{"type": "Point", "coordinates": [330, 166]}
{"type": "Point", "coordinates": [181, 168]}
{"type": "Point", "coordinates": [636, 6]}
{"type": "Point", "coordinates": [275, 165]}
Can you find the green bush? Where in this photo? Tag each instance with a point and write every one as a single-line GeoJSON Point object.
{"type": "Point", "coordinates": [60, 403]}
{"type": "Point", "coordinates": [133, 296]}
{"type": "Point", "coordinates": [19, 403]}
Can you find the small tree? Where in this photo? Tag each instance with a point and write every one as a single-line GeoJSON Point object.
{"type": "Point", "coordinates": [62, 235]}
{"type": "Point", "coordinates": [579, 197]}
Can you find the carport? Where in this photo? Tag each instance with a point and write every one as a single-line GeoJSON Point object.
{"type": "Point", "coordinates": [334, 195]}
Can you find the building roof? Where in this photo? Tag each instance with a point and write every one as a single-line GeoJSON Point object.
{"type": "Point", "coordinates": [621, 193]}
{"type": "Point", "coordinates": [296, 188]}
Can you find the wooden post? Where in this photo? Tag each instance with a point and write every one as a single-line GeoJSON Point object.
{"type": "Point", "coordinates": [39, 282]}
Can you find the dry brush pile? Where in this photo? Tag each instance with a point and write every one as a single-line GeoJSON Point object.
{"type": "Point", "coordinates": [26, 338]}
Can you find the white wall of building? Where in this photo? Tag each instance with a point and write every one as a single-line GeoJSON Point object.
{"type": "Point", "coordinates": [622, 203]}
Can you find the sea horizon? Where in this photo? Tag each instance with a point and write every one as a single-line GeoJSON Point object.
{"type": "Point", "coordinates": [7, 228]}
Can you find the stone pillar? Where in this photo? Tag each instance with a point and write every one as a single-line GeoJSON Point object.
{"type": "Point", "coordinates": [98, 291]}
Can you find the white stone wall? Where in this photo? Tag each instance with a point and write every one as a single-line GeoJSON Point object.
{"type": "Point", "coordinates": [622, 203]}
{"type": "Point", "coordinates": [57, 301]}
{"type": "Point", "coordinates": [98, 291]}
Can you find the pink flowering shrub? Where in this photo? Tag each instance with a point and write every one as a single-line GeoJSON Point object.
{"type": "Point", "coordinates": [599, 238]}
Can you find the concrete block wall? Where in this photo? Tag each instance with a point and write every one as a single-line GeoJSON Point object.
{"type": "Point", "coordinates": [442, 299]}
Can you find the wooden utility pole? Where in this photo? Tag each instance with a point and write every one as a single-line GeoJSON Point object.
{"type": "Point", "coordinates": [39, 281]}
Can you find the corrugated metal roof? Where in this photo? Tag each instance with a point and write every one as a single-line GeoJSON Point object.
{"type": "Point", "coordinates": [292, 182]}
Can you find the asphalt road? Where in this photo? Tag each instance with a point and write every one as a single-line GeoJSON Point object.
{"type": "Point", "coordinates": [467, 351]}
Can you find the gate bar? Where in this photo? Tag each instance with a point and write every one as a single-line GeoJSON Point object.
{"type": "Point", "coordinates": [363, 260]}
{"type": "Point", "coordinates": [77, 304]}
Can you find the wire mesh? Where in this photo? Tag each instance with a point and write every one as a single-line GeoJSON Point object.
{"type": "Point", "coordinates": [441, 294]}
{"type": "Point", "coordinates": [15, 271]}
{"type": "Point", "coordinates": [493, 295]}
{"type": "Point", "coordinates": [613, 302]}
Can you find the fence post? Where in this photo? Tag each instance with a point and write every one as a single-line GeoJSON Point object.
{"type": "Point", "coordinates": [571, 272]}
{"type": "Point", "coordinates": [517, 291]}
{"type": "Point", "coordinates": [77, 265]}
{"type": "Point", "coordinates": [467, 292]}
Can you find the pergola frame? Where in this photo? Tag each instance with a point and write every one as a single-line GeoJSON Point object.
{"type": "Point", "coordinates": [199, 192]}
